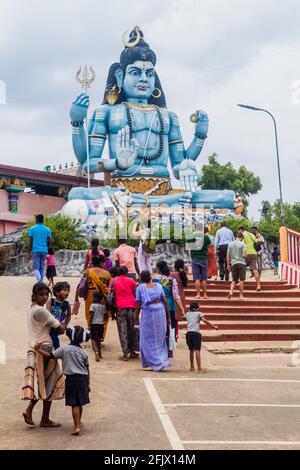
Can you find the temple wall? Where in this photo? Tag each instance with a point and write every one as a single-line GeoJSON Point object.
{"type": "Point", "coordinates": [28, 205]}
{"type": "Point", "coordinates": [70, 263]}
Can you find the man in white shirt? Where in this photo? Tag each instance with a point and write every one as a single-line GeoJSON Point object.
{"type": "Point", "coordinates": [224, 236]}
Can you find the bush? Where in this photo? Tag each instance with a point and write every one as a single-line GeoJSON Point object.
{"type": "Point", "coordinates": [65, 233]}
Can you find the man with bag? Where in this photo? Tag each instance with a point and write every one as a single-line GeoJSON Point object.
{"type": "Point", "coordinates": [253, 246]}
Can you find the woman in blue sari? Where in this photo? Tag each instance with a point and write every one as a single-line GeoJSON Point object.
{"type": "Point", "coordinates": [153, 323]}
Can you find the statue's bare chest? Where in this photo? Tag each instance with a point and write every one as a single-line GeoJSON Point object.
{"type": "Point", "coordinates": [139, 120]}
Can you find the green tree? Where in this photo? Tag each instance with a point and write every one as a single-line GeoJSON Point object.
{"type": "Point", "coordinates": [65, 233]}
{"type": "Point", "coordinates": [271, 222]}
{"type": "Point", "coordinates": [242, 181]}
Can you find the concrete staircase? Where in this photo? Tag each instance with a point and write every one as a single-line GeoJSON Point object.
{"type": "Point", "coordinates": [270, 315]}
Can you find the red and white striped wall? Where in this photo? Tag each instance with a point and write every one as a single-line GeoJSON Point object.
{"type": "Point", "coordinates": [290, 256]}
{"type": "Point", "coordinates": [294, 247]}
{"type": "Point", "coordinates": [290, 273]}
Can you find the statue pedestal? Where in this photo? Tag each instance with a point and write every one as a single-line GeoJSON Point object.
{"type": "Point", "coordinates": [143, 184]}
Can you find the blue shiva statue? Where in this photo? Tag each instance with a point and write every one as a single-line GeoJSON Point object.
{"type": "Point", "coordinates": [143, 137]}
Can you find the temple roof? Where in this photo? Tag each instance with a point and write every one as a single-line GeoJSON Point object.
{"type": "Point", "coordinates": [46, 183]}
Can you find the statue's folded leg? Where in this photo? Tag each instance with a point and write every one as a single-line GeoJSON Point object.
{"type": "Point", "coordinates": [214, 198]}
{"type": "Point", "coordinates": [87, 194]}
{"type": "Point", "coordinates": [205, 198]}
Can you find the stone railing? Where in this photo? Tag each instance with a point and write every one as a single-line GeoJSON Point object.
{"type": "Point", "coordinates": [70, 263]}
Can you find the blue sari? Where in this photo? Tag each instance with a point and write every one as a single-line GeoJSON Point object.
{"type": "Point", "coordinates": [153, 327]}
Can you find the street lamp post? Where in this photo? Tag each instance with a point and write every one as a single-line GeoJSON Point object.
{"type": "Point", "coordinates": [253, 108]}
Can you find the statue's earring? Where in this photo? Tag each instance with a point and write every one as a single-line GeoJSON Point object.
{"type": "Point", "coordinates": [119, 89]}
{"type": "Point", "coordinates": [158, 93]}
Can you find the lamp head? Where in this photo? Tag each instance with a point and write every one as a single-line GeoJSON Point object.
{"type": "Point", "coordinates": [248, 107]}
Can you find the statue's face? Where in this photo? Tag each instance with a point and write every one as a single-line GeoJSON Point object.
{"type": "Point", "coordinates": [139, 81]}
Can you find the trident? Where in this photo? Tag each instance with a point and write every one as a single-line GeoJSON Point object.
{"type": "Point", "coordinates": [86, 82]}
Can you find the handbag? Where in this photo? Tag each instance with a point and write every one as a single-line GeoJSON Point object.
{"type": "Point", "coordinates": [149, 246]}
{"type": "Point", "coordinates": [257, 246]}
{"type": "Point", "coordinates": [83, 287]}
{"type": "Point", "coordinates": [172, 340]}
{"type": "Point", "coordinates": [111, 298]}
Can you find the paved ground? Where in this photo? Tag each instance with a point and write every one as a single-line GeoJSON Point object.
{"type": "Point", "coordinates": [244, 402]}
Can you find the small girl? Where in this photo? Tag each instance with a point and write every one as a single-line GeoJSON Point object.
{"type": "Point", "coordinates": [193, 336]}
{"type": "Point", "coordinates": [98, 314]}
{"type": "Point", "coordinates": [75, 365]}
{"type": "Point", "coordinates": [51, 267]}
{"type": "Point", "coordinates": [60, 308]}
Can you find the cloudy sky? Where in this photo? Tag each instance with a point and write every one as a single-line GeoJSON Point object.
{"type": "Point", "coordinates": [212, 54]}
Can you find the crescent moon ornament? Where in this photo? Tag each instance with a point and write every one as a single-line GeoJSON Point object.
{"type": "Point", "coordinates": [134, 43]}
{"type": "Point", "coordinates": [194, 117]}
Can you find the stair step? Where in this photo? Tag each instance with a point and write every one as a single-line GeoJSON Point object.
{"type": "Point", "coordinates": [254, 326]}
{"type": "Point", "coordinates": [234, 303]}
{"type": "Point", "coordinates": [253, 310]}
{"type": "Point", "coordinates": [248, 294]}
{"type": "Point", "coordinates": [245, 318]}
{"type": "Point", "coordinates": [248, 286]}
{"type": "Point", "coordinates": [265, 335]}
{"type": "Point", "coordinates": [248, 282]}
{"type": "Point", "coordinates": [270, 315]}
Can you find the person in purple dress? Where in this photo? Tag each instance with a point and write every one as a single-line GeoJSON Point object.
{"type": "Point", "coordinates": [153, 323]}
{"type": "Point", "coordinates": [108, 261]}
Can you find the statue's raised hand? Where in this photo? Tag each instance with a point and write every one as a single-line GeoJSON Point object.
{"type": "Point", "coordinates": [189, 175]}
{"type": "Point", "coordinates": [79, 108]}
{"type": "Point", "coordinates": [200, 118]}
{"type": "Point", "coordinates": [127, 149]}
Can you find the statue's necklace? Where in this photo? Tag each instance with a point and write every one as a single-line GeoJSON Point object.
{"type": "Point", "coordinates": [150, 158]}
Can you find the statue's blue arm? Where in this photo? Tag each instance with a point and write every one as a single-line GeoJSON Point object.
{"type": "Point", "coordinates": [97, 130]}
{"type": "Point", "coordinates": [176, 144]}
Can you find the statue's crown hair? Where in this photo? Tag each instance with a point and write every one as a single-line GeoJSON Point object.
{"type": "Point", "coordinates": [136, 48]}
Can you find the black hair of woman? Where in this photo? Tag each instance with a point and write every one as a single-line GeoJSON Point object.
{"type": "Point", "coordinates": [146, 277]}
{"type": "Point", "coordinates": [114, 272]}
{"type": "Point", "coordinates": [50, 251]}
{"type": "Point", "coordinates": [97, 261]}
{"type": "Point", "coordinates": [106, 252]}
{"type": "Point", "coordinates": [163, 268]}
{"type": "Point", "coordinates": [95, 246]}
{"type": "Point", "coordinates": [37, 289]}
{"type": "Point", "coordinates": [123, 271]}
{"type": "Point", "coordinates": [179, 267]}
